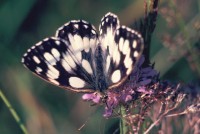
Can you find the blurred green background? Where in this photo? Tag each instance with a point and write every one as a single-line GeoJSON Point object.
{"type": "Point", "coordinates": [46, 109]}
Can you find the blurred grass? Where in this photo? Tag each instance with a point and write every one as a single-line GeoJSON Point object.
{"type": "Point", "coordinates": [44, 108]}
{"type": "Point", "coordinates": [164, 52]}
{"type": "Point", "coordinates": [13, 112]}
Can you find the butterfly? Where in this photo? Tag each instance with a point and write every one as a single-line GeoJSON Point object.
{"type": "Point", "coordinates": [79, 59]}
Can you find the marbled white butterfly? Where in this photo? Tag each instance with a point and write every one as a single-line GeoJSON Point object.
{"type": "Point", "coordinates": [79, 59]}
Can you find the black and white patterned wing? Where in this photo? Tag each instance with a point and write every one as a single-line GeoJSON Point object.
{"type": "Point", "coordinates": [65, 60]}
{"type": "Point", "coordinates": [107, 28]}
{"type": "Point", "coordinates": [123, 48]}
{"type": "Point", "coordinates": [81, 35]}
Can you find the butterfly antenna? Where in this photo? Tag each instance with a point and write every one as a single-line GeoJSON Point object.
{"type": "Point", "coordinates": [83, 125]}
{"type": "Point", "coordinates": [116, 131]}
{"type": "Point", "coordinates": [86, 121]}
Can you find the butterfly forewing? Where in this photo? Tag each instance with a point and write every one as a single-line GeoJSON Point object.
{"type": "Point", "coordinates": [66, 60]}
{"type": "Point", "coordinates": [81, 35]}
{"type": "Point", "coordinates": [83, 40]}
{"type": "Point", "coordinates": [107, 28]}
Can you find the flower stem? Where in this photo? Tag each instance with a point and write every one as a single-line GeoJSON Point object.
{"type": "Point", "coordinates": [13, 112]}
{"type": "Point", "coordinates": [123, 125]}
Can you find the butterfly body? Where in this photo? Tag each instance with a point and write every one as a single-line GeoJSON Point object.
{"type": "Point", "coordinates": [79, 59]}
{"type": "Point", "coordinates": [100, 77]}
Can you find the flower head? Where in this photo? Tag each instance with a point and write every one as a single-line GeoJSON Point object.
{"type": "Point", "coordinates": [137, 84]}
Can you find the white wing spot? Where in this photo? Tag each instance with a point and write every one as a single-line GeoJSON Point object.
{"type": "Point", "coordinates": [103, 18]}
{"type": "Point", "coordinates": [117, 33]}
{"type": "Point", "coordinates": [123, 27]}
{"type": "Point", "coordinates": [66, 24]}
{"type": "Point", "coordinates": [128, 29]}
{"type": "Point", "coordinates": [134, 44]}
{"type": "Point", "coordinates": [93, 31]}
{"type": "Point", "coordinates": [78, 56]}
{"type": "Point", "coordinates": [125, 47]}
{"type": "Point", "coordinates": [86, 65]}
{"type": "Point", "coordinates": [121, 43]}
{"type": "Point", "coordinates": [76, 26]}
{"type": "Point", "coordinates": [52, 73]}
{"type": "Point", "coordinates": [109, 40]}
{"type": "Point", "coordinates": [33, 47]}
{"type": "Point", "coordinates": [55, 53]}
{"type": "Point", "coordinates": [84, 21]}
{"type": "Point", "coordinates": [106, 19]}
{"type": "Point", "coordinates": [36, 59]}
{"type": "Point", "coordinates": [107, 63]}
{"type": "Point", "coordinates": [78, 45]}
{"type": "Point", "coordinates": [86, 26]}
{"type": "Point", "coordinates": [76, 82]}
{"type": "Point", "coordinates": [66, 66]}
{"type": "Point", "coordinates": [102, 23]}
{"type": "Point", "coordinates": [22, 60]}
{"type": "Point", "coordinates": [128, 61]}
{"type": "Point", "coordinates": [86, 44]}
{"type": "Point", "coordinates": [129, 71]}
{"type": "Point", "coordinates": [139, 35]}
{"type": "Point", "coordinates": [25, 55]}
{"type": "Point", "coordinates": [70, 61]}
{"type": "Point", "coordinates": [116, 76]}
{"type": "Point", "coordinates": [71, 39]}
{"type": "Point", "coordinates": [74, 21]}
{"type": "Point", "coordinates": [135, 54]}
{"type": "Point", "coordinates": [49, 58]}
{"type": "Point", "coordinates": [100, 31]}
{"type": "Point", "coordinates": [57, 42]}
{"type": "Point", "coordinates": [93, 28]}
{"type": "Point", "coordinates": [39, 43]}
{"type": "Point", "coordinates": [116, 56]}
{"type": "Point", "coordinates": [38, 70]}
{"type": "Point", "coordinates": [46, 39]}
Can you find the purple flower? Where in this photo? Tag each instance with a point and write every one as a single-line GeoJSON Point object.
{"type": "Point", "coordinates": [108, 112]}
{"type": "Point", "coordinates": [94, 97]}
{"type": "Point", "coordinates": [142, 89]}
{"type": "Point", "coordinates": [138, 83]}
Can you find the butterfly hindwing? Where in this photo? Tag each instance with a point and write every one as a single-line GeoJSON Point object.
{"type": "Point", "coordinates": [123, 46]}
{"type": "Point", "coordinates": [126, 54]}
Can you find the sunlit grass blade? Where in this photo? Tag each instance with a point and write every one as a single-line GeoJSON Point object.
{"type": "Point", "coordinates": [13, 112]}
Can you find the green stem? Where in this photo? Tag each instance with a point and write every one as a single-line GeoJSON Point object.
{"type": "Point", "coordinates": [13, 112]}
{"type": "Point", "coordinates": [123, 125]}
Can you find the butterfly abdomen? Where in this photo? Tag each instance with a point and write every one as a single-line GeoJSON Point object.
{"type": "Point", "coordinates": [101, 84]}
